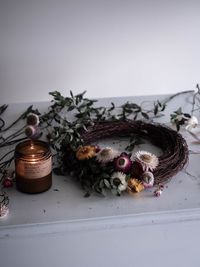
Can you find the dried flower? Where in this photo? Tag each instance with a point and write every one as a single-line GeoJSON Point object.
{"type": "Point", "coordinates": [134, 185]}
{"type": "Point", "coordinates": [85, 152]}
{"type": "Point", "coordinates": [7, 182]}
{"type": "Point", "coordinates": [3, 210]}
{"type": "Point", "coordinates": [97, 148]}
{"type": "Point", "coordinates": [191, 123]}
{"type": "Point", "coordinates": [136, 170]}
{"type": "Point", "coordinates": [118, 180]}
{"type": "Point", "coordinates": [178, 118]}
{"type": "Point", "coordinates": [107, 154]}
{"type": "Point", "coordinates": [148, 160]}
{"type": "Point", "coordinates": [33, 119]}
{"type": "Point", "coordinates": [147, 179]}
{"type": "Point", "coordinates": [32, 132]}
{"type": "Point", "coordinates": [158, 192]}
{"type": "Point", "coordinates": [122, 163]}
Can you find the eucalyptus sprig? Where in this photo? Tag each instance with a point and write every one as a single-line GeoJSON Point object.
{"type": "Point", "coordinates": [180, 118]}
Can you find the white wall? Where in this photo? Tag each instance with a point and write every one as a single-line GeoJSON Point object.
{"type": "Point", "coordinates": [108, 47]}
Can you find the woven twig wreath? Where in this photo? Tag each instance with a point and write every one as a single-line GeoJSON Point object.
{"type": "Point", "coordinates": [173, 145]}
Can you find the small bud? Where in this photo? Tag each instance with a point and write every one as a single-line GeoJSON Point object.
{"type": "Point", "coordinates": [32, 132]}
{"type": "Point", "coordinates": [148, 179]}
{"type": "Point", "coordinates": [158, 192]}
{"type": "Point", "coordinates": [33, 119]}
{"type": "Point", "coordinates": [7, 182]}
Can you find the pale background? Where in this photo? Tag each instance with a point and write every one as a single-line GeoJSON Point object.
{"type": "Point", "coordinates": [109, 48]}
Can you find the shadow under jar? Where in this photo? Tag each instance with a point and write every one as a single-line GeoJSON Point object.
{"type": "Point", "coordinates": [33, 166]}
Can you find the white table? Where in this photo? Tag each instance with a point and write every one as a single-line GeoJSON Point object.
{"type": "Point", "coordinates": [62, 228]}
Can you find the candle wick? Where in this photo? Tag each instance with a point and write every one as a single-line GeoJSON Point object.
{"type": "Point", "coordinates": [32, 145]}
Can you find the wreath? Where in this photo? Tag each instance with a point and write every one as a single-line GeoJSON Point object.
{"type": "Point", "coordinates": [101, 168]}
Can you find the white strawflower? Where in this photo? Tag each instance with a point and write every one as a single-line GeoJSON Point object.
{"type": "Point", "coordinates": [191, 123]}
{"type": "Point", "coordinates": [179, 117]}
{"type": "Point", "coordinates": [107, 154]}
{"type": "Point", "coordinates": [118, 180]}
{"type": "Point", "coordinates": [148, 160]}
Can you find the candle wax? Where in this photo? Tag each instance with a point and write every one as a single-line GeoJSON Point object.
{"type": "Point", "coordinates": [32, 149]}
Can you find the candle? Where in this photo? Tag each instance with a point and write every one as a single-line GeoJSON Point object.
{"type": "Point", "coordinates": [33, 166]}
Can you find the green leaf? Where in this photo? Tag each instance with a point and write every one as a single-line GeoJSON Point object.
{"type": "Point", "coordinates": [80, 115]}
{"type": "Point", "coordinates": [71, 94]}
{"type": "Point", "coordinates": [80, 96]}
{"type": "Point", "coordinates": [178, 111]}
{"type": "Point", "coordinates": [112, 107]}
{"type": "Point", "coordinates": [101, 184]}
{"type": "Point", "coordinates": [163, 107]}
{"type": "Point", "coordinates": [70, 108]}
{"type": "Point", "coordinates": [155, 109]}
{"type": "Point", "coordinates": [114, 191]}
{"type": "Point", "coordinates": [87, 194]}
{"type": "Point", "coordinates": [70, 131]}
{"type": "Point", "coordinates": [3, 108]}
{"type": "Point", "coordinates": [177, 127]}
{"type": "Point", "coordinates": [130, 147]}
{"type": "Point", "coordinates": [145, 115]}
{"type": "Point", "coordinates": [187, 115]}
{"type": "Point", "coordinates": [103, 192]}
{"type": "Point", "coordinates": [107, 184]}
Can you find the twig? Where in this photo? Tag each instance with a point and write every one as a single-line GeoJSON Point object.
{"type": "Point", "coordinates": [177, 94]}
{"type": "Point", "coordinates": [2, 122]}
{"type": "Point", "coordinates": [10, 137]}
{"type": "Point", "coordinates": [6, 155]}
{"type": "Point", "coordinates": [194, 98]}
{"type": "Point", "coordinates": [22, 116]}
{"type": "Point", "coordinates": [10, 143]}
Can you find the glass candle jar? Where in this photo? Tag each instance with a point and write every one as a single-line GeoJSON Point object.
{"type": "Point", "coordinates": [33, 166]}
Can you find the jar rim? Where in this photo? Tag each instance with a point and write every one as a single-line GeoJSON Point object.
{"type": "Point", "coordinates": [22, 151]}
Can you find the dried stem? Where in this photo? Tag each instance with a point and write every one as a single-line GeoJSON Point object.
{"type": "Point", "coordinates": [22, 116]}
{"type": "Point", "coordinates": [194, 98]}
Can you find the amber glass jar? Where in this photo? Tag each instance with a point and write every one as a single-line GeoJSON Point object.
{"type": "Point", "coordinates": [33, 166]}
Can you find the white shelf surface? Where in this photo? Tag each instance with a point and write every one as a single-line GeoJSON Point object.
{"type": "Point", "coordinates": [63, 209]}
{"type": "Point", "coordinates": [65, 201]}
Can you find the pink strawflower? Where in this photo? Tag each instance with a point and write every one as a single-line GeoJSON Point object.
{"type": "Point", "coordinates": [122, 163]}
{"type": "Point", "coordinates": [147, 179]}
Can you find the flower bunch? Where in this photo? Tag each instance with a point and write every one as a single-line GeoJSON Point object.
{"type": "Point", "coordinates": [106, 168]}
{"type": "Point", "coordinates": [32, 128]}
{"type": "Point", "coordinates": [179, 118]}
